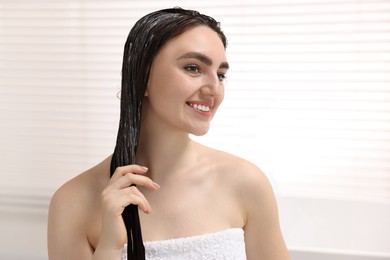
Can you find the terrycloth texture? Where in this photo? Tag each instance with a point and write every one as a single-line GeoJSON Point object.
{"type": "Point", "coordinates": [226, 244]}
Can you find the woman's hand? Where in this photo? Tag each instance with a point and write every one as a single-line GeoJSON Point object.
{"type": "Point", "coordinates": [118, 194]}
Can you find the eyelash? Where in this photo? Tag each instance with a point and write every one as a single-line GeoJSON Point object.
{"type": "Point", "coordinates": [196, 69]}
{"type": "Point", "coordinates": [191, 68]}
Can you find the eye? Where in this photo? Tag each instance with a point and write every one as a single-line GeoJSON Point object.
{"type": "Point", "coordinates": [192, 69]}
{"type": "Point", "coordinates": [221, 77]}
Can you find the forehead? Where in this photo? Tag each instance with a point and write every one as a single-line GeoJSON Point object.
{"type": "Point", "coordinates": [200, 39]}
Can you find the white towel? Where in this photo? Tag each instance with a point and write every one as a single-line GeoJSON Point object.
{"type": "Point", "coordinates": [226, 244]}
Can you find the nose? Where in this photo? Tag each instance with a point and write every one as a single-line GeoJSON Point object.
{"type": "Point", "coordinates": [212, 86]}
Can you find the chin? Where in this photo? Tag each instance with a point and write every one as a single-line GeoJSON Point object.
{"type": "Point", "coordinates": [200, 131]}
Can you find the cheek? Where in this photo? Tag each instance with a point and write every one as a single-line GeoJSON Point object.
{"type": "Point", "coordinates": [217, 103]}
{"type": "Point", "coordinates": [219, 99]}
{"type": "Point", "coordinates": [165, 81]}
{"type": "Point", "coordinates": [158, 77]}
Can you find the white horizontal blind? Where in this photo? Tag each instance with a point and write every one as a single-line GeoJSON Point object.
{"type": "Point", "coordinates": [314, 79]}
{"type": "Point", "coordinates": [307, 99]}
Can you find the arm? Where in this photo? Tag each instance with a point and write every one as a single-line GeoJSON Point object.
{"type": "Point", "coordinates": [263, 236]}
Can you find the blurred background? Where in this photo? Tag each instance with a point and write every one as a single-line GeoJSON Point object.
{"type": "Point", "coordinates": [307, 100]}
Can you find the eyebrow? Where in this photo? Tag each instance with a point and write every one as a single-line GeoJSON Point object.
{"type": "Point", "coordinates": [202, 58]}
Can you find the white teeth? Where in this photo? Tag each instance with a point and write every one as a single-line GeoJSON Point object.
{"type": "Point", "coordinates": [201, 107]}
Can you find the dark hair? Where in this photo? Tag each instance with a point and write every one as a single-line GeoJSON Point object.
{"type": "Point", "coordinates": [145, 39]}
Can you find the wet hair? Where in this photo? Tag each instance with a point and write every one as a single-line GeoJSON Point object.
{"type": "Point", "coordinates": [146, 38]}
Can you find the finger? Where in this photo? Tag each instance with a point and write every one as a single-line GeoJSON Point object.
{"type": "Point", "coordinates": [145, 206]}
{"type": "Point", "coordinates": [131, 195]}
{"type": "Point", "coordinates": [133, 168]}
{"type": "Point", "coordinates": [116, 200]}
{"type": "Point", "coordinates": [130, 179]}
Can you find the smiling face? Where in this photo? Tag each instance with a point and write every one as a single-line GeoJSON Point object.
{"type": "Point", "coordinates": [186, 82]}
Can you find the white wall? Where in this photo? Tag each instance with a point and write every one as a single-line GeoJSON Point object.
{"type": "Point", "coordinates": [335, 227]}
{"type": "Point", "coordinates": [23, 235]}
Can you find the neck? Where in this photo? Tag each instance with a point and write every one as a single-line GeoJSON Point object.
{"type": "Point", "coordinates": [163, 150]}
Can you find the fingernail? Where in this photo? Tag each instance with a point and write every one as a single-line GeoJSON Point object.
{"type": "Point", "coordinates": [156, 185]}
{"type": "Point", "coordinates": [145, 168]}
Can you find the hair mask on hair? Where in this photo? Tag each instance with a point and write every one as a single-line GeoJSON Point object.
{"type": "Point", "coordinates": [146, 38]}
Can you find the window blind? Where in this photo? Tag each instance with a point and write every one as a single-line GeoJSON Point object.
{"type": "Point", "coordinates": [307, 97]}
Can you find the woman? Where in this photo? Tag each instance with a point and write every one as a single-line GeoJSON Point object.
{"type": "Point", "coordinates": [194, 202]}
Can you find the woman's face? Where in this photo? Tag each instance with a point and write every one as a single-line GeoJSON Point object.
{"type": "Point", "coordinates": [186, 85]}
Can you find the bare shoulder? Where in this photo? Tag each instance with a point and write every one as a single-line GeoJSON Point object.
{"type": "Point", "coordinates": [241, 174]}
{"type": "Point", "coordinates": [71, 209]}
{"type": "Point", "coordinates": [255, 195]}
{"type": "Point", "coordinates": [246, 180]}
{"type": "Point", "coordinates": [75, 193]}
